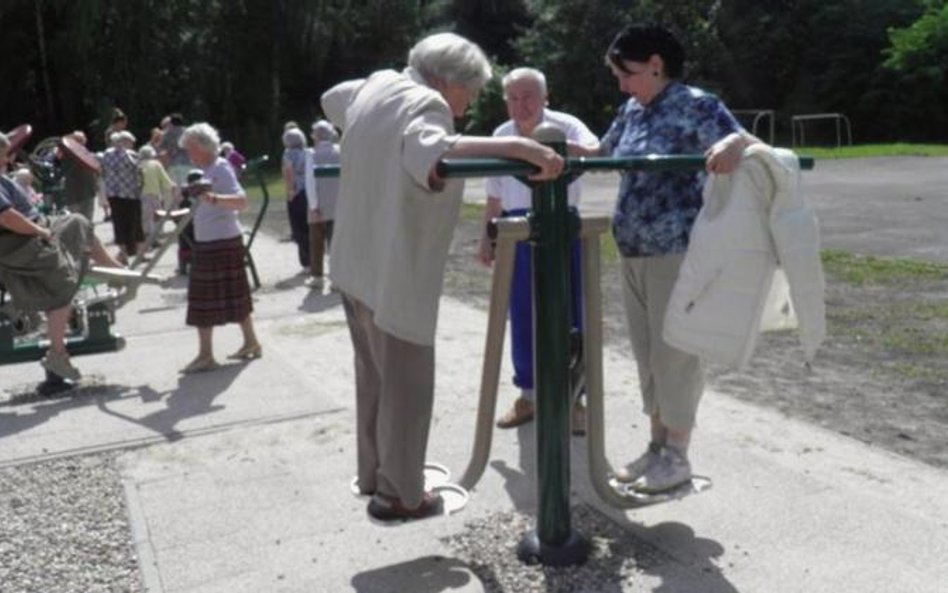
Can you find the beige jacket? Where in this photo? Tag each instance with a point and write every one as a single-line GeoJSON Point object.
{"type": "Point", "coordinates": [392, 231]}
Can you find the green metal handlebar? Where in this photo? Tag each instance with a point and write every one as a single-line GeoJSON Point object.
{"type": "Point", "coordinates": [501, 167]}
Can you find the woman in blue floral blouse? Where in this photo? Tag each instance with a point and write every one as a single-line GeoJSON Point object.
{"type": "Point", "coordinates": [653, 218]}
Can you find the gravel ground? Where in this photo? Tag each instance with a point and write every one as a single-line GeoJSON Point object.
{"type": "Point", "coordinates": [617, 562]}
{"type": "Point", "coordinates": [64, 528]}
{"type": "Point", "coordinates": [64, 525]}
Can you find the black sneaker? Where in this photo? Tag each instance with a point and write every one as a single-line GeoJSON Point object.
{"type": "Point", "coordinates": [384, 508]}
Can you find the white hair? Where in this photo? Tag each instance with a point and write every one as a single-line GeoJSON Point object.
{"type": "Point", "coordinates": [147, 152]}
{"type": "Point", "coordinates": [451, 58]}
{"type": "Point", "coordinates": [204, 135]}
{"type": "Point", "coordinates": [4, 142]}
{"type": "Point", "coordinates": [518, 74]}
{"type": "Point", "coordinates": [23, 176]}
{"type": "Point", "coordinates": [323, 130]}
{"type": "Point", "coordinates": [122, 137]}
{"type": "Point", "coordinates": [226, 146]}
{"type": "Point", "coordinates": [294, 138]}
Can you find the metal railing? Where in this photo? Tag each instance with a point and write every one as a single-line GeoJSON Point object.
{"type": "Point", "coordinates": [550, 227]}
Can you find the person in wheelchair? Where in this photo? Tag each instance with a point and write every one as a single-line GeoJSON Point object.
{"type": "Point", "coordinates": [42, 262]}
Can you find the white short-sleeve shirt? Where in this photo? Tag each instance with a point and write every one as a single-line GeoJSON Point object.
{"type": "Point", "coordinates": [515, 195]}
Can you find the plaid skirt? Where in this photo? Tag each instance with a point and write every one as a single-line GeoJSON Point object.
{"type": "Point", "coordinates": [218, 291]}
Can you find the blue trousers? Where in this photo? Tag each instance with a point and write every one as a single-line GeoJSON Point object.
{"type": "Point", "coordinates": [521, 307]}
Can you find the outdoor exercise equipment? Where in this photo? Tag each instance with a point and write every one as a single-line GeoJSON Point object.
{"type": "Point", "coordinates": [839, 119]}
{"type": "Point", "coordinates": [550, 227]}
{"type": "Point", "coordinates": [102, 290]}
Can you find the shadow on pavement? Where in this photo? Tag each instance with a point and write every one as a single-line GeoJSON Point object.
{"type": "Point", "coordinates": [46, 407]}
{"type": "Point", "coordinates": [194, 396]}
{"type": "Point", "coordinates": [317, 302]}
{"type": "Point", "coordinates": [429, 574]}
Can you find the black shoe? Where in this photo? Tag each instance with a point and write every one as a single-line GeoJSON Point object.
{"type": "Point", "coordinates": [384, 508]}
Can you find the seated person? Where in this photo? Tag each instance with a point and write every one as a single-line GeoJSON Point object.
{"type": "Point", "coordinates": [41, 265]}
{"type": "Point", "coordinates": [24, 178]}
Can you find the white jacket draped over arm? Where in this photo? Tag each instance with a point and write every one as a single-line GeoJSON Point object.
{"type": "Point", "coordinates": [753, 263]}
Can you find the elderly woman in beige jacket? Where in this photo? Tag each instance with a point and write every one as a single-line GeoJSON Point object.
{"type": "Point", "coordinates": [394, 223]}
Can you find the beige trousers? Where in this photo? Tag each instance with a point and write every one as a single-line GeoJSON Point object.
{"type": "Point", "coordinates": [671, 380]}
{"type": "Point", "coordinates": [394, 400]}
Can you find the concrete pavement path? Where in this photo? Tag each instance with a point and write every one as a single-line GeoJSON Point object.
{"type": "Point", "coordinates": [237, 480]}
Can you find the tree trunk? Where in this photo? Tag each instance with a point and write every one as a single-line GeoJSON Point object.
{"type": "Point", "coordinates": [44, 66]}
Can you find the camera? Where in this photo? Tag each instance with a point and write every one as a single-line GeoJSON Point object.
{"type": "Point", "coordinates": [197, 184]}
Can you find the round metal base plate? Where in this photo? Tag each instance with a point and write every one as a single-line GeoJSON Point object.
{"type": "Point", "coordinates": [455, 498]}
{"type": "Point", "coordinates": [697, 485]}
{"type": "Point", "coordinates": [435, 475]}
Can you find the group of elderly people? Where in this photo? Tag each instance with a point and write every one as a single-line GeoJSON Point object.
{"type": "Point", "coordinates": [42, 260]}
{"type": "Point", "coordinates": [393, 227]}
{"type": "Point", "coordinates": [396, 216]}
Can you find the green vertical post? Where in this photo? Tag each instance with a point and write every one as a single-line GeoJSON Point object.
{"type": "Point", "coordinates": [554, 542]}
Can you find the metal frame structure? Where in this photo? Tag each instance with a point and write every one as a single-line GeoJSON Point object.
{"type": "Point", "coordinates": [549, 228]}
{"type": "Point", "coordinates": [758, 115]}
{"type": "Point", "coordinates": [839, 118]}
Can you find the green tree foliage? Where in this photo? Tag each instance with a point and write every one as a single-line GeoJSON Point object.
{"type": "Point", "coordinates": [248, 65]}
{"type": "Point", "coordinates": [568, 41]}
{"type": "Point", "coordinates": [913, 74]}
{"type": "Point", "coordinates": [244, 65]}
{"type": "Point", "coordinates": [492, 24]}
{"type": "Point", "coordinates": [809, 56]}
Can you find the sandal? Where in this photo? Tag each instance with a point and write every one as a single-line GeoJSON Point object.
{"type": "Point", "coordinates": [247, 353]}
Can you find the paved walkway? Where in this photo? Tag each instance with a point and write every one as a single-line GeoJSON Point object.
{"type": "Point", "coordinates": [237, 480]}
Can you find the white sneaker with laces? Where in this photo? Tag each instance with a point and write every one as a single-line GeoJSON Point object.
{"type": "Point", "coordinates": [671, 470]}
{"type": "Point", "coordinates": [637, 468]}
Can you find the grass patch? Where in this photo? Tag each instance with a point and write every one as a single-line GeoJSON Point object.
{"type": "Point", "coordinates": [862, 270]}
{"type": "Point", "coordinates": [609, 250]}
{"type": "Point", "coordinates": [473, 212]}
{"type": "Point", "coordinates": [274, 181]}
{"type": "Point", "coordinates": [917, 341]}
{"type": "Point", "coordinates": [873, 150]}
{"type": "Point", "coordinates": [906, 334]}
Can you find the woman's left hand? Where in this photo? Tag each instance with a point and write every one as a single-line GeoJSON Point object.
{"type": "Point", "coordinates": [724, 156]}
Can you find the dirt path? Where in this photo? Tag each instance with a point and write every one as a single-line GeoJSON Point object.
{"type": "Point", "coordinates": [894, 396]}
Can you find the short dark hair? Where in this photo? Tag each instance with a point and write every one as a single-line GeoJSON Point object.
{"type": "Point", "coordinates": [639, 42]}
{"type": "Point", "coordinates": [176, 119]}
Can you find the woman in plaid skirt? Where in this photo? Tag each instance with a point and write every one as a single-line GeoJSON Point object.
{"type": "Point", "coordinates": [218, 290]}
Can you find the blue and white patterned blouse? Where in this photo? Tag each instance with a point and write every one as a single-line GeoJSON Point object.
{"type": "Point", "coordinates": [656, 210]}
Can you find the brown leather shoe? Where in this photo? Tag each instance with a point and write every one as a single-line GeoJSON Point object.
{"type": "Point", "coordinates": [386, 509]}
{"type": "Point", "coordinates": [520, 413]}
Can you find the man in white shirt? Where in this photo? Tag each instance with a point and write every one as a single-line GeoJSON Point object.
{"type": "Point", "coordinates": [526, 95]}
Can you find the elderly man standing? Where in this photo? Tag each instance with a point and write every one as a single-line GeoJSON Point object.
{"type": "Point", "coordinates": [526, 95]}
{"type": "Point", "coordinates": [394, 222]}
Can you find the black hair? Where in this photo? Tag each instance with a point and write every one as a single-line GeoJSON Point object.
{"type": "Point", "coordinates": [176, 119]}
{"type": "Point", "coordinates": [118, 115]}
{"type": "Point", "coordinates": [639, 42]}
